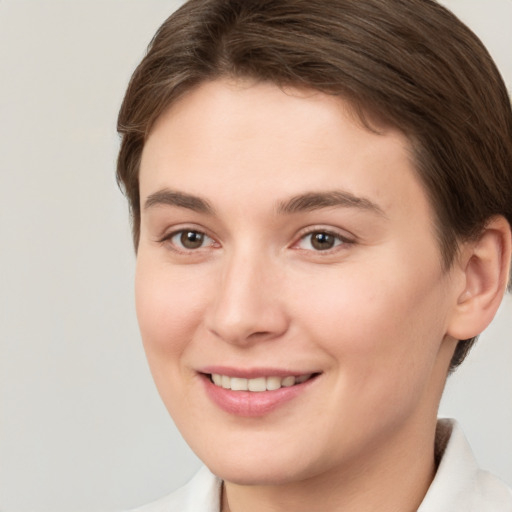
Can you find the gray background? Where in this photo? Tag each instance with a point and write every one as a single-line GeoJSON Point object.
{"type": "Point", "coordinates": [81, 425]}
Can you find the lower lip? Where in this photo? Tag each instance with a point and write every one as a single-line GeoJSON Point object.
{"type": "Point", "coordinates": [252, 403]}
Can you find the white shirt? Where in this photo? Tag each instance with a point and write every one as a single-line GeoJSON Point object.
{"type": "Point", "coordinates": [459, 485]}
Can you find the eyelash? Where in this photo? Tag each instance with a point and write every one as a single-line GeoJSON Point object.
{"type": "Point", "coordinates": [339, 240]}
{"type": "Point", "coordinates": [168, 239]}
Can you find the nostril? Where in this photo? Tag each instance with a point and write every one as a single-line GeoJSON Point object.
{"type": "Point", "coordinates": [260, 334]}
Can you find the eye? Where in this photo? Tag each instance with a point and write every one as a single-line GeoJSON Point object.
{"type": "Point", "coordinates": [320, 241]}
{"type": "Point", "coordinates": [190, 239]}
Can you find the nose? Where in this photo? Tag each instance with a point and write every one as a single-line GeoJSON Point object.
{"type": "Point", "coordinates": [248, 306]}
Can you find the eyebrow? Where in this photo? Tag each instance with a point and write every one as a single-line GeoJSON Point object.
{"type": "Point", "coordinates": [309, 201]}
{"type": "Point", "coordinates": [317, 200]}
{"type": "Point", "coordinates": [168, 197]}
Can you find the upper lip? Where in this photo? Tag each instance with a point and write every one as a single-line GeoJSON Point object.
{"type": "Point", "coordinates": [253, 372]}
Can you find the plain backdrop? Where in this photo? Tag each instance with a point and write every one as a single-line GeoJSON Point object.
{"type": "Point", "coordinates": [81, 425]}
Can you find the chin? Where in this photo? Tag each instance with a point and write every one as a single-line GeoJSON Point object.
{"type": "Point", "coordinates": [257, 474]}
{"type": "Point", "coordinates": [262, 467]}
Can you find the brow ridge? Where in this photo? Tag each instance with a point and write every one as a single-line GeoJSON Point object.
{"type": "Point", "coordinates": [167, 197]}
{"type": "Point", "coordinates": [311, 201]}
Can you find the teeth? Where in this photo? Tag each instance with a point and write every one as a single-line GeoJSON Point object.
{"type": "Point", "coordinates": [273, 383]}
{"type": "Point", "coordinates": [258, 384]}
{"type": "Point", "coordinates": [239, 384]}
{"type": "Point", "coordinates": [288, 381]}
{"type": "Point", "coordinates": [226, 382]}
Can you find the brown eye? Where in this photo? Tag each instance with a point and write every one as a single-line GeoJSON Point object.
{"type": "Point", "coordinates": [322, 241]}
{"type": "Point", "coordinates": [191, 239]}
{"type": "Point", "coordinates": [188, 240]}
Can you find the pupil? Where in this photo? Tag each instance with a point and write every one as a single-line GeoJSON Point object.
{"type": "Point", "coordinates": [192, 239]}
{"type": "Point", "coordinates": [322, 241]}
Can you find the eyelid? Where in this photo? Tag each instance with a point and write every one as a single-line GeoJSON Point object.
{"type": "Point", "coordinates": [176, 230]}
{"type": "Point", "coordinates": [344, 237]}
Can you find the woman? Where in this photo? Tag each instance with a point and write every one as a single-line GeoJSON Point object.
{"type": "Point", "coordinates": [321, 196]}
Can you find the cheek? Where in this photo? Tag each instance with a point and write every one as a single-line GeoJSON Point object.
{"type": "Point", "coordinates": [373, 319]}
{"type": "Point", "coordinates": [382, 334]}
{"type": "Point", "coordinates": [169, 306]}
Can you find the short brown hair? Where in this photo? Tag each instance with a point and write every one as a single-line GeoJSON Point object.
{"type": "Point", "coordinates": [411, 63]}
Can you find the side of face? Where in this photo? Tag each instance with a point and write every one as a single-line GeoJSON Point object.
{"type": "Point", "coordinates": [279, 238]}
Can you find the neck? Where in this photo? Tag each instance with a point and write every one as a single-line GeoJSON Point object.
{"type": "Point", "coordinates": [395, 478]}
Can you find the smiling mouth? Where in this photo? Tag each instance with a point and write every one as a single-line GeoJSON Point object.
{"type": "Point", "coordinates": [258, 384]}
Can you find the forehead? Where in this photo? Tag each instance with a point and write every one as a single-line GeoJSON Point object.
{"type": "Point", "coordinates": [227, 98]}
{"type": "Point", "coordinates": [282, 142]}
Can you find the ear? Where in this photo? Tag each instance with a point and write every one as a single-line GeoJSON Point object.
{"type": "Point", "coordinates": [485, 266]}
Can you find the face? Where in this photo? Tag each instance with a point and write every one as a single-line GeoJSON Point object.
{"type": "Point", "coordinates": [289, 286]}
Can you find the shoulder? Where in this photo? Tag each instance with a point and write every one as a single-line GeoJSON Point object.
{"type": "Point", "coordinates": [460, 485]}
{"type": "Point", "coordinates": [202, 493]}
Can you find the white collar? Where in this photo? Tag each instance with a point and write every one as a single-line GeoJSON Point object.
{"type": "Point", "coordinates": [459, 484]}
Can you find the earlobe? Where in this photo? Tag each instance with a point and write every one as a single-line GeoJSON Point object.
{"type": "Point", "coordinates": [485, 264]}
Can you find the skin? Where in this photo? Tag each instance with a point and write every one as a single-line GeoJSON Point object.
{"type": "Point", "coordinates": [376, 315]}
